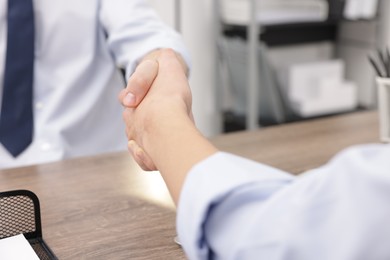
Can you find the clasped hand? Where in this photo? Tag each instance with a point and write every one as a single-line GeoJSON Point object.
{"type": "Point", "coordinates": [156, 94]}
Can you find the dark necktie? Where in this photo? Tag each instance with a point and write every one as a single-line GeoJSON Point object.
{"type": "Point", "coordinates": [16, 118]}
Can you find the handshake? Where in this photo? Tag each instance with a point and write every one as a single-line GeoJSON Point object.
{"type": "Point", "coordinates": [159, 123]}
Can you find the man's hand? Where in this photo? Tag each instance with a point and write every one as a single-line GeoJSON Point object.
{"type": "Point", "coordinates": [138, 88]}
{"type": "Point", "coordinates": [143, 77]}
{"type": "Point", "coordinates": [161, 131]}
{"type": "Point", "coordinates": [139, 84]}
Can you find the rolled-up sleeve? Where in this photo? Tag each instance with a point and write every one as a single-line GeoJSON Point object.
{"type": "Point", "coordinates": [233, 208]}
{"type": "Point", "coordinates": [212, 181]}
{"type": "Point", "coordinates": [134, 29]}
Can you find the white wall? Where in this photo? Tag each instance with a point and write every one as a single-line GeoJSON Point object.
{"type": "Point", "coordinates": [196, 18]}
{"type": "Point", "coordinates": [166, 10]}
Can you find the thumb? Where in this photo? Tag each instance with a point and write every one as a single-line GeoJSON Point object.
{"type": "Point", "coordinates": [139, 83]}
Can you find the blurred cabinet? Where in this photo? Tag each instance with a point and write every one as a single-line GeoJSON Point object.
{"type": "Point", "coordinates": [351, 40]}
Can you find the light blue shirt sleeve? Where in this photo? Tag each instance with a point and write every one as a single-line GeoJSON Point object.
{"type": "Point", "coordinates": [134, 29]}
{"type": "Point", "coordinates": [233, 208]}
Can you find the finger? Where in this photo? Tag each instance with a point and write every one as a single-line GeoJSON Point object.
{"type": "Point", "coordinates": [141, 157]}
{"type": "Point", "coordinates": [121, 95]}
{"type": "Point", "coordinates": [132, 150]}
{"type": "Point", "coordinates": [139, 83]}
{"type": "Point", "coordinates": [127, 116]}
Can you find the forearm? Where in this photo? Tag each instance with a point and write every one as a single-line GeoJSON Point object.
{"type": "Point", "coordinates": [175, 145]}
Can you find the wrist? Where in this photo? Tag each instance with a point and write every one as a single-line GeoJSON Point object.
{"type": "Point", "coordinates": [175, 147]}
{"type": "Point", "coordinates": [163, 125]}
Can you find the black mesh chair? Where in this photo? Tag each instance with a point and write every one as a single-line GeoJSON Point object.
{"type": "Point", "coordinates": [20, 214]}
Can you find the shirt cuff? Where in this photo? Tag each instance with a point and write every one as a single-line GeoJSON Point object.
{"type": "Point", "coordinates": [206, 184]}
{"type": "Point", "coordinates": [158, 43]}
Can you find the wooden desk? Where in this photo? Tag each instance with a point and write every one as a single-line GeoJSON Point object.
{"type": "Point", "coordinates": [101, 207]}
{"type": "Point", "coordinates": [105, 207]}
{"type": "Point", "coordinates": [301, 146]}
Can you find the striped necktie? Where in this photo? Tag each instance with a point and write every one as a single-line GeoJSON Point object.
{"type": "Point", "coordinates": [16, 118]}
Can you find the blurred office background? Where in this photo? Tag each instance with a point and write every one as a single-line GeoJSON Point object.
{"type": "Point", "coordinates": [311, 57]}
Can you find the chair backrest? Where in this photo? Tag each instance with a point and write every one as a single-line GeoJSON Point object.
{"type": "Point", "coordinates": [19, 214]}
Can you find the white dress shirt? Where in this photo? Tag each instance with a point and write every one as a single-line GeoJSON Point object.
{"type": "Point", "coordinates": [233, 208]}
{"type": "Point", "coordinates": [78, 47]}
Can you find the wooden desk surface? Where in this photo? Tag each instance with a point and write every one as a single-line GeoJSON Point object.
{"type": "Point", "coordinates": [101, 207]}
{"type": "Point", "coordinates": [105, 207]}
{"type": "Point", "coordinates": [301, 146]}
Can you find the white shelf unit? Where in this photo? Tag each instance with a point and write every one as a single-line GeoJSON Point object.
{"type": "Point", "coordinates": [317, 31]}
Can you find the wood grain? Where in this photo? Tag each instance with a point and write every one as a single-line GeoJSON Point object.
{"type": "Point", "coordinates": [101, 207]}
{"type": "Point", "coordinates": [298, 147]}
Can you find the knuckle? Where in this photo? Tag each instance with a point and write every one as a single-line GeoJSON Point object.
{"type": "Point", "coordinates": [121, 95]}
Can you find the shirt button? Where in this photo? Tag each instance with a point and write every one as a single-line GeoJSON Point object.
{"type": "Point", "coordinates": [39, 105]}
{"type": "Point", "coordinates": [46, 146]}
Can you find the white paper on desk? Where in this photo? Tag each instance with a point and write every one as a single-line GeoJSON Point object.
{"type": "Point", "coordinates": [16, 248]}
